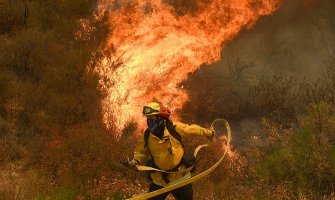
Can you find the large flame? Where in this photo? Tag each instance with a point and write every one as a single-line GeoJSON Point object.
{"type": "Point", "coordinates": [154, 44]}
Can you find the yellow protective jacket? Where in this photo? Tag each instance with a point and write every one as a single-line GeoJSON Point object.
{"type": "Point", "coordinates": [167, 152]}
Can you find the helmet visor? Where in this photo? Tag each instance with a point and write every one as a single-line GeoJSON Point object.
{"type": "Point", "coordinates": [148, 111]}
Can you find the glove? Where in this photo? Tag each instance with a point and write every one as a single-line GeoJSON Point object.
{"type": "Point", "coordinates": [133, 163]}
{"type": "Point", "coordinates": [130, 164]}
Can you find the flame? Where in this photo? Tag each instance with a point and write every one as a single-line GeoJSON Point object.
{"type": "Point", "coordinates": [154, 44]}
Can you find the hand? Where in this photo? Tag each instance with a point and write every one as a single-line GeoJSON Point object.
{"type": "Point", "coordinates": [125, 163]}
{"type": "Point", "coordinates": [212, 137]}
{"type": "Point", "coordinates": [133, 163]}
{"type": "Point", "coordinates": [129, 164]}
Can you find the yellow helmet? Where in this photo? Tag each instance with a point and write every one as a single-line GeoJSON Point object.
{"type": "Point", "coordinates": [151, 108]}
{"type": "Point", "coordinates": [156, 108]}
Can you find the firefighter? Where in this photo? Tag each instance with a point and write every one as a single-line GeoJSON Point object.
{"type": "Point", "coordinates": [162, 142]}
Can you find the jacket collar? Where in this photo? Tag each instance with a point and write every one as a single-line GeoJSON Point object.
{"type": "Point", "coordinates": [165, 136]}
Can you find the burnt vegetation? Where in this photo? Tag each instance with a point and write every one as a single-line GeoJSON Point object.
{"type": "Point", "coordinates": [53, 144]}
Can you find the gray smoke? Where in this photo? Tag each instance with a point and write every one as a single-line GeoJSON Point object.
{"type": "Point", "coordinates": [296, 41]}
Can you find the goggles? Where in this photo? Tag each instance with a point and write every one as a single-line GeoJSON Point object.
{"type": "Point", "coordinates": [147, 110]}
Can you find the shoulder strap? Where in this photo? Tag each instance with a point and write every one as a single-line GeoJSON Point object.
{"type": "Point", "coordinates": [171, 128]}
{"type": "Point", "coordinates": [146, 138]}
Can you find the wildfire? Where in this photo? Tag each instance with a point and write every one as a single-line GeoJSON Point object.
{"type": "Point", "coordinates": [154, 44]}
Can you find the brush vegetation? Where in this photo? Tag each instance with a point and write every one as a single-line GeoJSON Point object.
{"type": "Point", "coordinates": [53, 144]}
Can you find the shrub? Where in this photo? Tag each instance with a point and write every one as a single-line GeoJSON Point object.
{"type": "Point", "coordinates": [275, 99]}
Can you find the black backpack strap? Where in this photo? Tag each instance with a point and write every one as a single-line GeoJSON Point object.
{"type": "Point", "coordinates": [171, 128]}
{"type": "Point", "coordinates": [146, 138]}
{"type": "Point", "coordinates": [188, 158]}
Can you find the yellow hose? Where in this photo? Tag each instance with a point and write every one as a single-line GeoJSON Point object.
{"type": "Point", "coordinates": [194, 178]}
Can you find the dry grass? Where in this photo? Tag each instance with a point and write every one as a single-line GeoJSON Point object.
{"type": "Point", "coordinates": [17, 182]}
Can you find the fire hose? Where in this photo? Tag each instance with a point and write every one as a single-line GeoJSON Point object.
{"type": "Point", "coordinates": [192, 179]}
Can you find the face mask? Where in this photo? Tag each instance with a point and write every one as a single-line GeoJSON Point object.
{"type": "Point", "coordinates": [152, 124]}
{"type": "Point", "coordinates": [156, 126]}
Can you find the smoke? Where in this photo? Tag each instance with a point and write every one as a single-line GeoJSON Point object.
{"type": "Point", "coordinates": [295, 41]}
